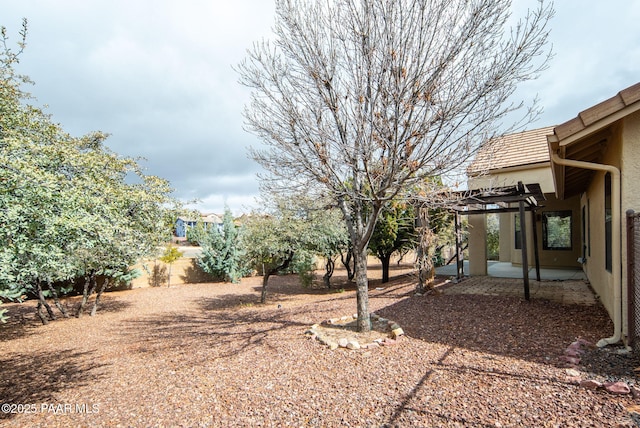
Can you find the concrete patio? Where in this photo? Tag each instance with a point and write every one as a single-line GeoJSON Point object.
{"type": "Point", "coordinates": [560, 285]}
{"type": "Point", "coordinates": [507, 270]}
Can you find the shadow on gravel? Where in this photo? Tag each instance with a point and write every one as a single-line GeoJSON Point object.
{"type": "Point", "coordinates": [537, 331]}
{"type": "Point", "coordinates": [23, 320]}
{"type": "Point", "coordinates": [107, 305]}
{"type": "Point", "coordinates": [36, 377]}
{"type": "Point", "coordinates": [222, 327]}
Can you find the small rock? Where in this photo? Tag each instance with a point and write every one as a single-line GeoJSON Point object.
{"type": "Point", "coordinates": [635, 391]}
{"type": "Point", "coordinates": [590, 384]}
{"type": "Point", "coordinates": [315, 326]}
{"type": "Point", "coordinates": [353, 344]}
{"type": "Point", "coordinates": [373, 345]}
{"type": "Point", "coordinates": [394, 326]}
{"type": "Point", "coordinates": [366, 354]}
{"type": "Point", "coordinates": [617, 387]}
{"type": "Point", "coordinates": [570, 360]}
{"type": "Point", "coordinates": [343, 342]}
{"type": "Point", "coordinates": [584, 342]}
{"type": "Point", "coordinates": [332, 345]}
{"type": "Point", "coordinates": [314, 336]}
{"type": "Point", "coordinates": [388, 342]}
{"type": "Point", "coordinates": [574, 380]}
{"type": "Point", "coordinates": [397, 332]}
{"type": "Point", "coordinates": [570, 352]}
{"type": "Point", "coordinates": [572, 372]}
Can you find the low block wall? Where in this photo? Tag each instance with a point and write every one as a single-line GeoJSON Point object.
{"type": "Point", "coordinates": [183, 271]}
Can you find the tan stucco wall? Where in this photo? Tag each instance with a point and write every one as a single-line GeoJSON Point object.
{"type": "Point", "coordinates": [541, 175]}
{"type": "Point", "coordinates": [630, 187]}
{"type": "Point", "coordinates": [600, 279]}
{"type": "Point", "coordinates": [548, 258]}
{"type": "Point", "coordinates": [505, 237]}
{"type": "Point", "coordinates": [477, 244]}
{"type": "Point", "coordinates": [156, 273]}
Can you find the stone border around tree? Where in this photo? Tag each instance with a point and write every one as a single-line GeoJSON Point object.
{"type": "Point", "coordinates": [393, 334]}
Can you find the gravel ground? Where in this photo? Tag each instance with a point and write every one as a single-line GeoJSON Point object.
{"type": "Point", "coordinates": [210, 355]}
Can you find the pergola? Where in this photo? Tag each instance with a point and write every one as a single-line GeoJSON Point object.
{"type": "Point", "coordinates": [500, 200]}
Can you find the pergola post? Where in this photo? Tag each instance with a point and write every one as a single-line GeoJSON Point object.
{"type": "Point", "coordinates": [459, 259]}
{"type": "Point", "coordinates": [536, 254]}
{"type": "Point", "coordinates": [523, 240]}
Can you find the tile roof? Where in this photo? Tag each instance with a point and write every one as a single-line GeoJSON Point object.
{"type": "Point", "coordinates": [585, 138]}
{"type": "Point", "coordinates": [606, 108]}
{"type": "Point", "coordinates": [511, 150]}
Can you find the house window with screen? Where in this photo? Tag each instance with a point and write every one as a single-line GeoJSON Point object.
{"type": "Point", "coordinates": [556, 230]}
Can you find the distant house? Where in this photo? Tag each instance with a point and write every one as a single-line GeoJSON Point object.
{"type": "Point", "coordinates": [585, 173]}
{"type": "Point", "coordinates": [183, 224]}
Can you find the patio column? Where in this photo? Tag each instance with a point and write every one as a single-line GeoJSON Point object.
{"type": "Point", "coordinates": [478, 245]}
{"type": "Point", "coordinates": [506, 240]}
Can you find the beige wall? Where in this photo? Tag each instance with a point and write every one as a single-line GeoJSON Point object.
{"type": "Point", "coordinates": [593, 199]}
{"type": "Point", "coordinates": [183, 271]}
{"type": "Point", "coordinates": [477, 244]}
{"type": "Point", "coordinates": [506, 239]}
{"type": "Point", "coordinates": [508, 253]}
{"type": "Point", "coordinates": [548, 258]}
{"type": "Point", "coordinates": [540, 174]}
{"type": "Point", "coordinates": [630, 184]}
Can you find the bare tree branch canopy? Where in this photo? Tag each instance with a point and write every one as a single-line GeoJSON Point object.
{"type": "Point", "coordinates": [361, 99]}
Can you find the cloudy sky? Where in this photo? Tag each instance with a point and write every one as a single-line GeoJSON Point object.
{"type": "Point", "coordinates": [157, 75]}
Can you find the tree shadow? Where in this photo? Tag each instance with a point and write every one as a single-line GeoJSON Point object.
{"type": "Point", "coordinates": [106, 305]}
{"type": "Point", "coordinates": [474, 321]}
{"type": "Point", "coordinates": [159, 276]}
{"type": "Point", "coordinates": [229, 301]}
{"type": "Point", "coordinates": [224, 326]}
{"type": "Point", "coordinates": [23, 320]}
{"type": "Point", "coordinates": [193, 274]}
{"type": "Point", "coordinates": [37, 377]}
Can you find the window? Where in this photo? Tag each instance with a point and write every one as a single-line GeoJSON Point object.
{"type": "Point", "coordinates": [556, 230]}
{"type": "Point", "coordinates": [607, 222]}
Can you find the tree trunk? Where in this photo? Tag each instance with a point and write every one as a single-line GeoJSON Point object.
{"type": "Point", "coordinates": [86, 292]}
{"type": "Point", "coordinates": [362, 291]}
{"type": "Point", "coordinates": [43, 319]}
{"type": "Point", "coordinates": [105, 283]}
{"type": "Point", "coordinates": [330, 266]}
{"type": "Point", "coordinates": [43, 301]}
{"type": "Point", "coordinates": [265, 280]}
{"type": "Point", "coordinates": [385, 259]}
{"type": "Point", "coordinates": [169, 276]}
{"type": "Point", "coordinates": [347, 261]}
{"type": "Point", "coordinates": [56, 300]}
{"type": "Point", "coordinates": [285, 264]}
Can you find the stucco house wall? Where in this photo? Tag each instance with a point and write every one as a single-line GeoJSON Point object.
{"type": "Point", "coordinates": [550, 258]}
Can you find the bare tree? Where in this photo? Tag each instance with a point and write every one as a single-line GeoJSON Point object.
{"type": "Point", "coordinates": [357, 100]}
